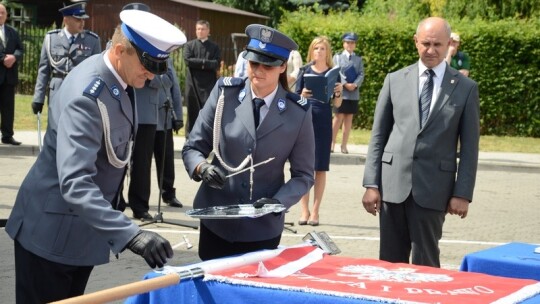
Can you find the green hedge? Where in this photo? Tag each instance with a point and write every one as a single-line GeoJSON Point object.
{"type": "Point", "coordinates": [505, 59]}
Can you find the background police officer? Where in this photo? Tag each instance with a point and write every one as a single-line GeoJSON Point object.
{"type": "Point", "coordinates": [62, 50]}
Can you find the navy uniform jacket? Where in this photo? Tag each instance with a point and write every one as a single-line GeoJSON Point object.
{"type": "Point", "coordinates": [286, 133]}
{"type": "Point", "coordinates": [58, 58]}
{"type": "Point", "coordinates": [63, 210]}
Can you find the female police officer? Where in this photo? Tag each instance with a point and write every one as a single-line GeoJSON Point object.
{"type": "Point", "coordinates": [231, 126]}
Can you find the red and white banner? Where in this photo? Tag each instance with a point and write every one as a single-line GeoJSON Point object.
{"type": "Point", "coordinates": [380, 281]}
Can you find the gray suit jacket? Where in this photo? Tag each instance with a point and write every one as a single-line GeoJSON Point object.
{"type": "Point", "coordinates": [403, 159]}
{"type": "Point", "coordinates": [171, 90]}
{"type": "Point", "coordinates": [63, 210]}
{"type": "Point", "coordinates": [286, 133]}
{"type": "Point", "coordinates": [59, 57]}
{"type": "Point", "coordinates": [343, 61]}
{"type": "Point", "coordinates": [147, 99]}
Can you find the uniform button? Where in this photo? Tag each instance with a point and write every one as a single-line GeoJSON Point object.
{"type": "Point", "coordinates": [249, 150]}
{"type": "Point", "coordinates": [111, 243]}
{"type": "Point", "coordinates": [244, 184]}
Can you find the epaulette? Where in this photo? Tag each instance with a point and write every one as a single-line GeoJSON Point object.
{"type": "Point", "coordinates": [94, 88]}
{"type": "Point", "coordinates": [230, 81]}
{"type": "Point", "coordinates": [54, 31]}
{"type": "Point", "coordinates": [91, 33]}
{"type": "Point", "coordinates": [299, 100]}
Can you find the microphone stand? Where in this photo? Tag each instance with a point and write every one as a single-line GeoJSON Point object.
{"type": "Point", "coordinates": [158, 218]}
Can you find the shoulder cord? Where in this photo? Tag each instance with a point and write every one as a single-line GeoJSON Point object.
{"type": "Point", "coordinates": [113, 159]}
{"type": "Point", "coordinates": [215, 145]}
{"type": "Point", "coordinates": [55, 64]}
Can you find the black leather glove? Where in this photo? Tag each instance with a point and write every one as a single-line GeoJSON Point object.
{"type": "Point", "coordinates": [177, 125]}
{"type": "Point", "coordinates": [212, 175]}
{"type": "Point", "coordinates": [37, 107]}
{"type": "Point", "coordinates": [263, 201]}
{"type": "Point", "coordinates": [152, 247]}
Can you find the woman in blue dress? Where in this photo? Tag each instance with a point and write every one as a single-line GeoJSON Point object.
{"type": "Point", "coordinates": [320, 57]}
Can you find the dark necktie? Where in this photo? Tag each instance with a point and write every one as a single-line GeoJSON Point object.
{"type": "Point", "coordinates": [71, 40]}
{"type": "Point", "coordinates": [350, 57]}
{"type": "Point", "coordinates": [131, 93]}
{"type": "Point", "coordinates": [257, 104]}
{"type": "Point", "coordinates": [425, 97]}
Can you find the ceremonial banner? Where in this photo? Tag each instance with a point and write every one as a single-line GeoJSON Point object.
{"type": "Point", "coordinates": [382, 281]}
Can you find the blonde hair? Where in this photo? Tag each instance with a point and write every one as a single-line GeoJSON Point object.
{"type": "Point", "coordinates": [321, 40]}
{"type": "Point", "coordinates": [119, 37]}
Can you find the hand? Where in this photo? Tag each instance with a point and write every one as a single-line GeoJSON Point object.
{"type": "Point", "coordinates": [212, 175]}
{"type": "Point", "coordinates": [372, 200]}
{"type": "Point", "coordinates": [458, 206]}
{"type": "Point", "coordinates": [177, 125]}
{"type": "Point", "coordinates": [37, 107]}
{"type": "Point", "coordinates": [265, 201]}
{"type": "Point", "coordinates": [152, 247]}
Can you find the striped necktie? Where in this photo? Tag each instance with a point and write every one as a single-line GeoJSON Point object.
{"type": "Point", "coordinates": [425, 97]}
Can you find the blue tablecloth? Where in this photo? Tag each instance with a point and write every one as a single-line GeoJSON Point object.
{"type": "Point", "coordinates": [513, 260]}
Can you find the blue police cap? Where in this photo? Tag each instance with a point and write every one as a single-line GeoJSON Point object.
{"type": "Point", "coordinates": [136, 6]}
{"type": "Point", "coordinates": [152, 37]}
{"type": "Point", "coordinates": [267, 45]}
{"type": "Point", "coordinates": [77, 10]}
{"type": "Point", "coordinates": [349, 37]}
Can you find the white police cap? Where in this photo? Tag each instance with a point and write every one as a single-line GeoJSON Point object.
{"type": "Point", "coordinates": [267, 45]}
{"type": "Point", "coordinates": [152, 37]}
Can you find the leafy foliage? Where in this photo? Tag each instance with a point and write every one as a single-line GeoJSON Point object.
{"type": "Point", "coordinates": [505, 56]}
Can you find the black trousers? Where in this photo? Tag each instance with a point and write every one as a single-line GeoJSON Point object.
{"type": "Point", "coordinates": [7, 109]}
{"type": "Point", "coordinates": [167, 163]}
{"type": "Point", "coordinates": [38, 280]}
{"type": "Point", "coordinates": [141, 169]}
{"type": "Point", "coordinates": [407, 229]}
{"type": "Point", "coordinates": [211, 246]}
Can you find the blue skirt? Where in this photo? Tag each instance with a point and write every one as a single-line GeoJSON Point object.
{"type": "Point", "coordinates": [322, 127]}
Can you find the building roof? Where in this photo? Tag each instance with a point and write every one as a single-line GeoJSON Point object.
{"type": "Point", "coordinates": [218, 7]}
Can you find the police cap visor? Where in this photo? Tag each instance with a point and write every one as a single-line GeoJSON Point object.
{"type": "Point", "coordinates": [152, 64]}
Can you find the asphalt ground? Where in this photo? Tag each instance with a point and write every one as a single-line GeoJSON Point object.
{"type": "Point", "coordinates": [505, 209]}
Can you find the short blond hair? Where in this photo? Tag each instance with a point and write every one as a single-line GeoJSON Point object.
{"type": "Point", "coordinates": [119, 38]}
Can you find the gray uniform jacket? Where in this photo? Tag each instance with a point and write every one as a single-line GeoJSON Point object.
{"type": "Point", "coordinates": [148, 102]}
{"type": "Point", "coordinates": [343, 61]}
{"type": "Point", "coordinates": [286, 133]}
{"type": "Point", "coordinates": [402, 158]}
{"type": "Point", "coordinates": [63, 210]}
{"type": "Point", "coordinates": [170, 90]}
{"type": "Point", "coordinates": [58, 58]}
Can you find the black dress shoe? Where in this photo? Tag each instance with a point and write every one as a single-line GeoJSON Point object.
{"type": "Point", "coordinates": [173, 202]}
{"type": "Point", "coordinates": [10, 141]}
{"type": "Point", "coordinates": [144, 216]}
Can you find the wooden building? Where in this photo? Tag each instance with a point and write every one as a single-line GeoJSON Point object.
{"type": "Point", "coordinates": [224, 21]}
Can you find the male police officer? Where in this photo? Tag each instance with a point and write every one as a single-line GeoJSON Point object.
{"type": "Point", "coordinates": [65, 219]}
{"type": "Point", "coordinates": [62, 50]}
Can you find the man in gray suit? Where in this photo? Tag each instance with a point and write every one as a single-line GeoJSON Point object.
{"type": "Point", "coordinates": [62, 50]}
{"type": "Point", "coordinates": [424, 113]}
{"type": "Point", "coordinates": [66, 219]}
